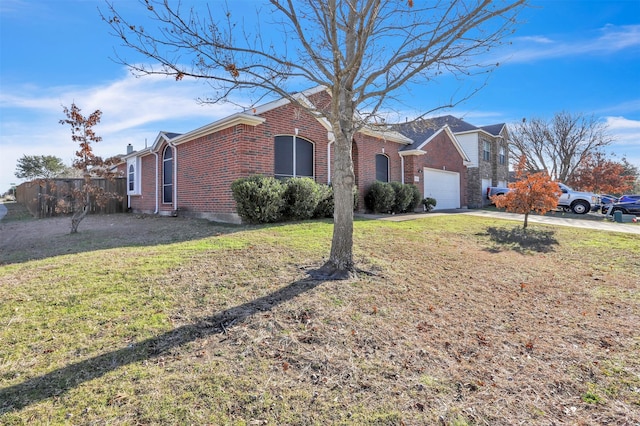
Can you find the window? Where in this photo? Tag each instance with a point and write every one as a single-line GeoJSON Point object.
{"type": "Point", "coordinates": [132, 178]}
{"type": "Point", "coordinates": [486, 150]}
{"type": "Point", "coordinates": [167, 175]}
{"type": "Point", "coordinates": [293, 157]}
{"type": "Point", "coordinates": [503, 157]}
{"type": "Point", "coordinates": [382, 168]}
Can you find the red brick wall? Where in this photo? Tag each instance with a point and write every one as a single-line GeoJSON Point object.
{"type": "Point", "coordinates": [207, 166]}
{"type": "Point", "coordinates": [146, 201]}
{"type": "Point", "coordinates": [365, 149]}
{"type": "Point", "coordinates": [441, 154]}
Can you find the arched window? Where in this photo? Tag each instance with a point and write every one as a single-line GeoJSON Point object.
{"type": "Point", "coordinates": [132, 178]}
{"type": "Point", "coordinates": [382, 168]}
{"type": "Point", "coordinates": [167, 175]}
{"type": "Point", "coordinates": [293, 157]}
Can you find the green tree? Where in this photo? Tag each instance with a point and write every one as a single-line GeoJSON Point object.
{"type": "Point", "coordinates": [39, 167]}
{"type": "Point", "coordinates": [366, 53]}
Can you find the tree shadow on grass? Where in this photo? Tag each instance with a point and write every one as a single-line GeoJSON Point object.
{"type": "Point", "coordinates": [63, 379]}
{"type": "Point", "coordinates": [522, 240]}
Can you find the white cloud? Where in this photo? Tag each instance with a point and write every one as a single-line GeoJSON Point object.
{"type": "Point", "coordinates": [133, 109]}
{"type": "Point", "coordinates": [626, 134]}
{"type": "Point", "coordinates": [610, 39]}
{"type": "Point", "coordinates": [534, 39]}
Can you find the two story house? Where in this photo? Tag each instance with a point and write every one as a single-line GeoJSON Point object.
{"type": "Point", "coordinates": [485, 147]}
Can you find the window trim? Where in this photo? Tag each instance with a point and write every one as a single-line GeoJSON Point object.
{"type": "Point", "coordinates": [502, 157]}
{"type": "Point", "coordinates": [165, 185]}
{"type": "Point", "coordinates": [486, 153]}
{"type": "Point", "coordinates": [131, 177]}
{"type": "Point", "coordinates": [293, 159]}
{"type": "Point", "coordinates": [135, 174]}
{"type": "Point", "coordinates": [386, 157]}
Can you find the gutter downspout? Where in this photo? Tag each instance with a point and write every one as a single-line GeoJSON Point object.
{"type": "Point", "coordinates": [156, 185]}
{"type": "Point", "coordinates": [332, 139]}
{"type": "Point", "coordinates": [401, 167]}
{"type": "Point", "coordinates": [175, 175]}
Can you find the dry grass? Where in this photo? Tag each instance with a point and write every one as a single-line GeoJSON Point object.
{"type": "Point", "coordinates": [461, 321]}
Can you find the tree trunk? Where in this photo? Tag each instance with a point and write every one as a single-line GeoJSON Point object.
{"type": "Point", "coordinates": [526, 220]}
{"type": "Point", "coordinates": [77, 218]}
{"type": "Point", "coordinates": [340, 264]}
{"type": "Point", "coordinates": [79, 215]}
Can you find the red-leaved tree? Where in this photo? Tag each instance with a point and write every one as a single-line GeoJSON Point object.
{"type": "Point", "coordinates": [531, 192]}
{"type": "Point", "coordinates": [90, 165]}
{"type": "Point", "coordinates": [601, 175]}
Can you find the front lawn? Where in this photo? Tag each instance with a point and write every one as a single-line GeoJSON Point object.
{"type": "Point", "coordinates": [455, 320]}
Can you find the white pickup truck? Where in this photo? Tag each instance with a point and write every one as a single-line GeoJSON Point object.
{"type": "Point", "coordinates": [570, 200]}
{"type": "Point", "coordinates": [578, 202]}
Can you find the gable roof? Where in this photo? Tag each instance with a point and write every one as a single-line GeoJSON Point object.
{"type": "Point", "coordinates": [494, 129]}
{"type": "Point", "coordinates": [424, 128]}
{"type": "Point", "coordinates": [303, 97]}
{"type": "Point", "coordinates": [422, 136]}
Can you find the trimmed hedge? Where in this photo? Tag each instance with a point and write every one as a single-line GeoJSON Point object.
{"type": "Point", "coordinates": [325, 205]}
{"type": "Point", "coordinates": [380, 197]}
{"type": "Point", "coordinates": [404, 196]}
{"type": "Point", "coordinates": [396, 197]}
{"type": "Point", "coordinates": [265, 199]}
{"type": "Point", "coordinates": [301, 197]}
{"type": "Point", "coordinates": [416, 199]}
{"type": "Point", "coordinates": [259, 199]}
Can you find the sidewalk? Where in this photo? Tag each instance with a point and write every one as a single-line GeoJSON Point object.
{"type": "Point", "coordinates": [601, 225]}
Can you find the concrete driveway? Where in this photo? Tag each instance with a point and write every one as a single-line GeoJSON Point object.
{"type": "Point", "coordinates": [601, 225]}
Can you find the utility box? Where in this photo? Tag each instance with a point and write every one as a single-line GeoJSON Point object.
{"type": "Point", "coordinates": [617, 216]}
{"type": "Point", "coordinates": [623, 218]}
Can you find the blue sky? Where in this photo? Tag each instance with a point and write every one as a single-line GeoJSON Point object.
{"type": "Point", "coordinates": [581, 56]}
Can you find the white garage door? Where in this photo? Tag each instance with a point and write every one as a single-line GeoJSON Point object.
{"type": "Point", "coordinates": [444, 186]}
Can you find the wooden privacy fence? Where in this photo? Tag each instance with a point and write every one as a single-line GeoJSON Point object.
{"type": "Point", "coordinates": [41, 196]}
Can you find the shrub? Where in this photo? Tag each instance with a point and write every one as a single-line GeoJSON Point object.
{"type": "Point", "coordinates": [301, 197]}
{"type": "Point", "coordinates": [403, 197]}
{"type": "Point", "coordinates": [325, 205]}
{"type": "Point", "coordinates": [259, 199]}
{"type": "Point", "coordinates": [416, 198]}
{"type": "Point", "coordinates": [380, 197]}
{"type": "Point", "coordinates": [429, 203]}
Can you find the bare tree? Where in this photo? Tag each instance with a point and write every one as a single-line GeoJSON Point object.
{"type": "Point", "coordinates": [89, 164]}
{"type": "Point", "coordinates": [560, 145]}
{"type": "Point", "coordinates": [365, 52]}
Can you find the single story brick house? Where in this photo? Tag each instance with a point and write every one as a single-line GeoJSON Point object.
{"type": "Point", "coordinates": [191, 174]}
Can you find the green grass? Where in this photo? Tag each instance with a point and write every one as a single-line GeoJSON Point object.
{"type": "Point", "coordinates": [227, 329]}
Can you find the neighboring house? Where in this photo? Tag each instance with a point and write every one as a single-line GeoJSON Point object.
{"type": "Point", "coordinates": [486, 148]}
{"type": "Point", "coordinates": [191, 173]}
{"type": "Point", "coordinates": [438, 161]}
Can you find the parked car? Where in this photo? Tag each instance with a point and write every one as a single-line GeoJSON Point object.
{"type": "Point", "coordinates": [628, 207]}
{"type": "Point", "coordinates": [606, 201]}
{"type": "Point", "coordinates": [626, 198]}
